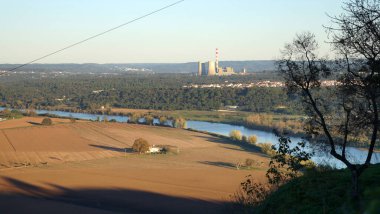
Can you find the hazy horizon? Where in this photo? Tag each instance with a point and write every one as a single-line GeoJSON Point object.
{"type": "Point", "coordinates": [188, 32]}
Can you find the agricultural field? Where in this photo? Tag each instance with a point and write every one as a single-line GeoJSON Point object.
{"type": "Point", "coordinates": [89, 167]}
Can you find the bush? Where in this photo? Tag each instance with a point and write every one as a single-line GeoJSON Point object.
{"type": "Point", "coordinates": [140, 145]}
{"type": "Point", "coordinates": [134, 118]}
{"type": "Point", "coordinates": [47, 121]}
{"type": "Point", "coordinates": [30, 113]}
{"type": "Point", "coordinates": [252, 139]}
{"type": "Point", "coordinates": [236, 135]}
{"type": "Point", "coordinates": [267, 148]}
{"type": "Point", "coordinates": [149, 120]}
{"type": "Point", "coordinates": [250, 162]}
{"type": "Point", "coordinates": [163, 120]}
{"type": "Point", "coordinates": [251, 194]}
{"type": "Point", "coordinates": [179, 123]}
{"type": "Point", "coordinates": [244, 139]}
{"type": "Point", "coordinates": [14, 114]}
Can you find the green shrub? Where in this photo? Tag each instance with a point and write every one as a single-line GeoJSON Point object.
{"type": "Point", "coordinates": [30, 113]}
{"type": "Point", "coordinates": [140, 145]}
{"type": "Point", "coordinates": [252, 139]}
{"type": "Point", "coordinates": [149, 120]}
{"type": "Point", "coordinates": [179, 123]}
{"type": "Point", "coordinates": [236, 135]}
{"type": "Point", "coordinates": [267, 148]}
{"type": "Point", "coordinates": [134, 118]}
{"type": "Point", "coordinates": [163, 120]}
{"type": "Point", "coordinates": [47, 121]}
{"type": "Point", "coordinates": [244, 139]}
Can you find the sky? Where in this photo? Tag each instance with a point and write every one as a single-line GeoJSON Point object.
{"type": "Point", "coordinates": [187, 32]}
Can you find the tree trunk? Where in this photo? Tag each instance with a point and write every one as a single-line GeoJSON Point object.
{"type": "Point", "coordinates": [355, 183]}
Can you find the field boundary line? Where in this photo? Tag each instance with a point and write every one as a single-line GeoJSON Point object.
{"type": "Point", "coordinates": [95, 129]}
{"type": "Point", "coordinates": [9, 141]}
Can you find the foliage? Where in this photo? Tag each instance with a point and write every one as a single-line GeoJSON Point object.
{"type": "Point", "coordinates": [244, 139]}
{"type": "Point", "coordinates": [30, 113]}
{"type": "Point", "coordinates": [159, 92]}
{"type": "Point", "coordinates": [140, 145]}
{"type": "Point", "coordinates": [236, 135]}
{"type": "Point", "coordinates": [11, 114]}
{"type": "Point", "coordinates": [134, 118]}
{"type": "Point", "coordinates": [251, 194]}
{"type": "Point", "coordinates": [267, 148]}
{"type": "Point", "coordinates": [252, 139]}
{"type": "Point", "coordinates": [352, 107]}
{"type": "Point", "coordinates": [287, 162]}
{"type": "Point", "coordinates": [324, 191]}
{"type": "Point", "coordinates": [149, 120]}
{"type": "Point", "coordinates": [292, 125]}
{"type": "Point", "coordinates": [47, 121]}
{"type": "Point", "coordinates": [163, 120]}
{"type": "Point", "coordinates": [179, 123]}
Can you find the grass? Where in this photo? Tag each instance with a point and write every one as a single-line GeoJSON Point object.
{"type": "Point", "coordinates": [325, 192]}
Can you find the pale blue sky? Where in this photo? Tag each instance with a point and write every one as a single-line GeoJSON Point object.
{"type": "Point", "coordinates": [190, 31]}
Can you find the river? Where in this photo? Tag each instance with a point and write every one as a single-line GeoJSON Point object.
{"type": "Point", "coordinates": [319, 157]}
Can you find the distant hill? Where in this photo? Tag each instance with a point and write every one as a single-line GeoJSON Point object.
{"type": "Point", "coordinates": [190, 67]}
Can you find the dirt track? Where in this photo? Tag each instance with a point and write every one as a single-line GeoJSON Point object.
{"type": "Point", "coordinates": [83, 166]}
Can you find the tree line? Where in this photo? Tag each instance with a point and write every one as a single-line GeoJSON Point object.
{"type": "Point", "coordinates": [160, 92]}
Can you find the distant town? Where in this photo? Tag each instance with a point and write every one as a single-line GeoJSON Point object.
{"type": "Point", "coordinates": [264, 84]}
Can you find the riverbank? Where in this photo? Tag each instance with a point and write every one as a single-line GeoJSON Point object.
{"type": "Point", "coordinates": [290, 124]}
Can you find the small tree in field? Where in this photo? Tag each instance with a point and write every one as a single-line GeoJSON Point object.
{"type": "Point", "coordinates": [140, 145]}
{"type": "Point", "coordinates": [351, 108]}
{"type": "Point", "coordinates": [47, 121]}
{"type": "Point", "coordinates": [236, 135]}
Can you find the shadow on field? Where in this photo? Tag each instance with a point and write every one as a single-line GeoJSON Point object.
{"type": "Point", "coordinates": [34, 123]}
{"type": "Point", "coordinates": [241, 146]}
{"type": "Point", "coordinates": [111, 148]}
{"type": "Point", "coordinates": [219, 163]}
{"type": "Point", "coordinates": [37, 199]}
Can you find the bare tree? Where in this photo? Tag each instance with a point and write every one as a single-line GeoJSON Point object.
{"type": "Point", "coordinates": [350, 109]}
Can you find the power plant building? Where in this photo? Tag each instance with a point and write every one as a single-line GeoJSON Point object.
{"type": "Point", "coordinates": [211, 68]}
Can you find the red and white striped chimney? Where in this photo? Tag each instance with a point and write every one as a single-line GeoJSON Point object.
{"type": "Point", "coordinates": [217, 58]}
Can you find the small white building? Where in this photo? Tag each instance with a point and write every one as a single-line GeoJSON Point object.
{"type": "Point", "coordinates": [154, 149]}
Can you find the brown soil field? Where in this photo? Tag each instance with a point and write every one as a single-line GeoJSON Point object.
{"type": "Point", "coordinates": [84, 167]}
{"type": "Point", "coordinates": [29, 121]}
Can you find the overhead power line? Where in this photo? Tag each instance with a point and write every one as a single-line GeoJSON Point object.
{"type": "Point", "coordinates": [97, 35]}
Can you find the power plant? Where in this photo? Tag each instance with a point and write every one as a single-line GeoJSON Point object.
{"type": "Point", "coordinates": [211, 68]}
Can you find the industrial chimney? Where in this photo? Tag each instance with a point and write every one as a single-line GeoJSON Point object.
{"type": "Point", "coordinates": [217, 59]}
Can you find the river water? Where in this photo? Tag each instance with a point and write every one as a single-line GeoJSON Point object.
{"type": "Point", "coordinates": [319, 157]}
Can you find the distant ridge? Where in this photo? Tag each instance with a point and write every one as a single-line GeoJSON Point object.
{"type": "Point", "coordinates": [190, 67]}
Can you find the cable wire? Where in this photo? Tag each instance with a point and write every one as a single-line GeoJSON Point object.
{"type": "Point", "coordinates": [97, 35]}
